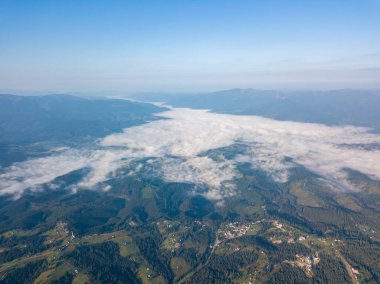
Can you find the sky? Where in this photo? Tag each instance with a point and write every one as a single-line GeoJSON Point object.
{"type": "Point", "coordinates": [188, 46]}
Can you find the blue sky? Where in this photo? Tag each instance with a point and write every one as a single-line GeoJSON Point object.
{"type": "Point", "coordinates": [193, 45]}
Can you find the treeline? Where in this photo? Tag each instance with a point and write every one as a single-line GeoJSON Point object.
{"type": "Point", "coordinates": [289, 274]}
{"type": "Point", "coordinates": [329, 270]}
{"type": "Point", "coordinates": [104, 263]}
{"type": "Point", "coordinates": [67, 278]}
{"type": "Point", "coordinates": [288, 252]}
{"type": "Point", "coordinates": [21, 246]}
{"type": "Point", "coordinates": [149, 247]}
{"type": "Point", "coordinates": [224, 268]}
{"type": "Point", "coordinates": [25, 274]}
{"type": "Point", "coordinates": [365, 256]}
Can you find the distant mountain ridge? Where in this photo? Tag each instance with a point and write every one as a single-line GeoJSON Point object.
{"type": "Point", "coordinates": [28, 121]}
{"type": "Point", "coordinates": [28, 118]}
{"type": "Point", "coordinates": [336, 107]}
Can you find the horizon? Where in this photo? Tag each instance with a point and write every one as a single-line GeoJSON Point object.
{"type": "Point", "coordinates": [123, 94]}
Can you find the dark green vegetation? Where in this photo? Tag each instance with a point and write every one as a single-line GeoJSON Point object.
{"type": "Point", "coordinates": [145, 230]}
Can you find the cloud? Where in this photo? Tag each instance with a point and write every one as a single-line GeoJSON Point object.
{"type": "Point", "coordinates": [184, 146]}
{"type": "Point", "coordinates": [32, 173]}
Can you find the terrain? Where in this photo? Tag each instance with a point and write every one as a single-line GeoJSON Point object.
{"type": "Point", "coordinates": [335, 107]}
{"type": "Point", "coordinates": [142, 225]}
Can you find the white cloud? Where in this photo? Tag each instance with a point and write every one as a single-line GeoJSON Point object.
{"type": "Point", "coordinates": [176, 146]}
{"type": "Point", "coordinates": [32, 173]}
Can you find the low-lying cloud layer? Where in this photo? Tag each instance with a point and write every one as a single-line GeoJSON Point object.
{"type": "Point", "coordinates": [175, 149]}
